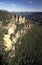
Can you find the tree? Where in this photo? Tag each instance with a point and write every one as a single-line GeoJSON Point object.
{"type": "Point", "coordinates": [30, 50]}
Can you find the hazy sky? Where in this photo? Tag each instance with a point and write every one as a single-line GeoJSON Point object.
{"type": "Point", "coordinates": [21, 5]}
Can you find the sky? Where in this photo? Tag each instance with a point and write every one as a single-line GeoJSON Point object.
{"type": "Point", "coordinates": [21, 5]}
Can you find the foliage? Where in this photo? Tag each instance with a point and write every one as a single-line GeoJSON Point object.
{"type": "Point", "coordinates": [30, 50]}
{"type": "Point", "coordinates": [5, 17]}
{"type": "Point", "coordinates": [2, 51]}
{"type": "Point", "coordinates": [5, 31]}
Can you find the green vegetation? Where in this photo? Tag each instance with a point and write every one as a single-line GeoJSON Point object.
{"type": "Point", "coordinates": [2, 47]}
{"type": "Point", "coordinates": [30, 50]}
{"type": "Point", "coordinates": [1, 40]}
{"type": "Point", "coordinates": [5, 31]}
{"type": "Point", "coordinates": [5, 17]}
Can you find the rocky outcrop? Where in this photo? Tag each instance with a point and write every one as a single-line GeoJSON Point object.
{"type": "Point", "coordinates": [16, 29]}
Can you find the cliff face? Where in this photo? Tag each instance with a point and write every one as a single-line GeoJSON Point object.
{"type": "Point", "coordinates": [13, 29]}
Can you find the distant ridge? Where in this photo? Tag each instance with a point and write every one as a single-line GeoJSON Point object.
{"type": "Point", "coordinates": [22, 13]}
{"type": "Point", "coordinates": [36, 17]}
